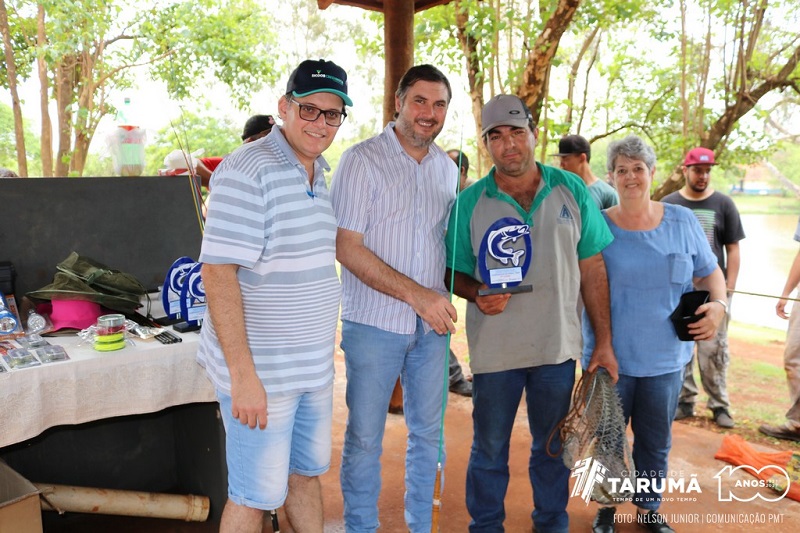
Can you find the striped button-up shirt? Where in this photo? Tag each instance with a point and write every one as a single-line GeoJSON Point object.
{"type": "Point", "coordinates": [401, 208]}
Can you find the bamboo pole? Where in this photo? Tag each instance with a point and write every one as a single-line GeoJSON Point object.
{"type": "Point", "coordinates": [437, 500]}
{"type": "Point", "coordinates": [65, 498]}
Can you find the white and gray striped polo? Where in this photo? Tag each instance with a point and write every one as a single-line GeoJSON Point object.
{"type": "Point", "coordinates": [264, 217]}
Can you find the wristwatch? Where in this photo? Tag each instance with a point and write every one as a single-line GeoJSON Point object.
{"type": "Point", "coordinates": [723, 303]}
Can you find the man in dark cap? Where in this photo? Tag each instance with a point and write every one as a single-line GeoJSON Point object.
{"type": "Point", "coordinates": [256, 127]}
{"type": "Point", "coordinates": [273, 296]}
{"type": "Point", "coordinates": [575, 153]}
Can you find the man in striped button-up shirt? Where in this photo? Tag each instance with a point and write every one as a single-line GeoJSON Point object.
{"type": "Point", "coordinates": [392, 195]}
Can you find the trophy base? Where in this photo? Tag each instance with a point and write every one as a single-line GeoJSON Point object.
{"type": "Point", "coordinates": [186, 327]}
{"type": "Point", "coordinates": [505, 290]}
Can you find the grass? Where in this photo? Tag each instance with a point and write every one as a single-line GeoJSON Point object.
{"type": "Point", "coordinates": [756, 385]}
{"type": "Point", "coordinates": [754, 334]}
{"type": "Point", "coordinates": [767, 205]}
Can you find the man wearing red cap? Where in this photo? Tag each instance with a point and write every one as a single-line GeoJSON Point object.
{"type": "Point", "coordinates": [723, 228]}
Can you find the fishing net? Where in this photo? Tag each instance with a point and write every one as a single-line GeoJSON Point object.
{"type": "Point", "coordinates": [594, 441]}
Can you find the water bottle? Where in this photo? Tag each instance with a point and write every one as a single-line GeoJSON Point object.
{"type": "Point", "coordinates": [124, 113]}
{"type": "Point", "coordinates": [8, 322]}
{"type": "Point", "coordinates": [129, 160]}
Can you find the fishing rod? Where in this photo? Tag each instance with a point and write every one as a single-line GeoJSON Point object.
{"type": "Point", "coordinates": [437, 486]}
{"type": "Point", "coordinates": [766, 296]}
{"type": "Point", "coordinates": [194, 180]}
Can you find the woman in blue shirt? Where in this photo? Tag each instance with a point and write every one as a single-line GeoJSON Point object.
{"type": "Point", "coordinates": [659, 253]}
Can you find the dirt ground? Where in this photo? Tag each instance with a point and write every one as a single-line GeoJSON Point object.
{"type": "Point", "coordinates": [694, 445]}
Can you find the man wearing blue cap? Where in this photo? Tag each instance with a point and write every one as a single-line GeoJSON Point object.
{"type": "Point", "coordinates": [273, 296]}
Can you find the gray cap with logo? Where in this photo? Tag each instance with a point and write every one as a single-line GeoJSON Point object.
{"type": "Point", "coordinates": [504, 110]}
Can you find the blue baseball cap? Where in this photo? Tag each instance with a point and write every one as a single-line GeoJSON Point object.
{"type": "Point", "coordinates": [319, 76]}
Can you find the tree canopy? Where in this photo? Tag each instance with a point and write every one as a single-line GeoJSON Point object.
{"type": "Point", "coordinates": [718, 73]}
{"type": "Point", "coordinates": [83, 50]}
{"type": "Point", "coordinates": [721, 74]}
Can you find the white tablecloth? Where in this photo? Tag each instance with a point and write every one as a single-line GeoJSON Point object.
{"type": "Point", "coordinates": [92, 385]}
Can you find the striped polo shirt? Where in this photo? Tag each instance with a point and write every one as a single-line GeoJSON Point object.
{"type": "Point", "coordinates": [263, 216]}
{"type": "Point", "coordinates": [401, 208]}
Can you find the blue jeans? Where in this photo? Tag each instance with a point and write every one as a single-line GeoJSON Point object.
{"type": "Point", "coordinates": [495, 399]}
{"type": "Point", "coordinates": [297, 440]}
{"type": "Point", "coordinates": [649, 404]}
{"type": "Point", "coordinates": [374, 358]}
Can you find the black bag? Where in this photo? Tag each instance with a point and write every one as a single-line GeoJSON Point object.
{"type": "Point", "coordinates": [684, 314]}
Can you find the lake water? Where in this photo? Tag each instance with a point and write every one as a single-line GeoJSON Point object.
{"type": "Point", "coordinates": [767, 254]}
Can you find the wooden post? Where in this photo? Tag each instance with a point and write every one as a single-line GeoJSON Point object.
{"type": "Point", "coordinates": [398, 16]}
{"type": "Point", "coordinates": [396, 401]}
{"type": "Point", "coordinates": [398, 36]}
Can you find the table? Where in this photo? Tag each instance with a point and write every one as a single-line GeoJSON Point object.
{"type": "Point", "coordinates": [144, 378]}
{"type": "Point", "coordinates": [142, 418]}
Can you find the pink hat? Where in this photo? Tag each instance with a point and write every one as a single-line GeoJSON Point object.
{"type": "Point", "coordinates": [76, 314]}
{"type": "Point", "coordinates": [699, 156]}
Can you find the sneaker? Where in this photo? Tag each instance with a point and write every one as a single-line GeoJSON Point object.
{"type": "Point", "coordinates": [604, 521]}
{"type": "Point", "coordinates": [722, 418]}
{"type": "Point", "coordinates": [653, 522]}
{"type": "Point", "coordinates": [781, 432]}
{"type": "Point", "coordinates": [685, 410]}
{"type": "Point", "coordinates": [462, 387]}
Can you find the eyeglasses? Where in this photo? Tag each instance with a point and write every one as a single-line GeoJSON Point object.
{"type": "Point", "coordinates": [311, 113]}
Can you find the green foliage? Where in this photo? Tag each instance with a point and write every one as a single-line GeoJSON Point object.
{"type": "Point", "coordinates": [8, 143]}
{"type": "Point", "coordinates": [787, 160]}
{"type": "Point", "coordinates": [225, 40]}
{"type": "Point", "coordinates": [102, 44]}
{"type": "Point", "coordinates": [215, 136]}
{"type": "Point", "coordinates": [22, 30]}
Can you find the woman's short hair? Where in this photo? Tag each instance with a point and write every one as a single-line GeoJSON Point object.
{"type": "Point", "coordinates": [633, 147]}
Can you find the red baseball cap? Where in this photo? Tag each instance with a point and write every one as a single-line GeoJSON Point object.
{"type": "Point", "coordinates": [699, 156]}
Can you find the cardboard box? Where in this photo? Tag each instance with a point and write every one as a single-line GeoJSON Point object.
{"type": "Point", "coordinates": [20, 511]}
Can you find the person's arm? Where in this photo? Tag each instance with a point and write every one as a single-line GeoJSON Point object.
{"type": "Point", "coordinates": [791, 284]}
{"type": "Point", "coordinates": [594, 290]}
{"type": "Point", "coordinates": [467, 287]}
{"type": "Point", "coordinates": [732, 253]}
{"type": "Point", "coordinates": [431, 306]}
{"type": "Point", "coordinates": [203, 171]}
{"type": "Point", "coordinates": [224, 300]}
{"type": "Point", "coordinates": [706, 327]}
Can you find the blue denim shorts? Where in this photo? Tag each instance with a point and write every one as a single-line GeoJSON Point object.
{"type": "Point", "coordinates": [297, 440]}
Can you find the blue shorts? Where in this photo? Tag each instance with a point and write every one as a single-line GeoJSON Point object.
{"type": "Point", "coordinates": [297, 440]}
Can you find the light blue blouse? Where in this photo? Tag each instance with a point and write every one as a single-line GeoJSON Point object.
{"type": "Point", "coordinates": [648, 271]}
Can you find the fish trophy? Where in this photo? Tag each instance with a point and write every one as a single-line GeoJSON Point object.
{"type": "Point", "coordinates": [505, 257]}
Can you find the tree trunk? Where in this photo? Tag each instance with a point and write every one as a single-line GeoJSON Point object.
{"type": "Point", "coordinates": [723, 126]}
{"type": "Point", "coordinates": [44, 96]}
{"type": "Point", "coordinates": [11, 67]}
{"type": "Point", "coordinates": [573, 75]}
{"type": "Point", "coordinates": [469, 45]}
{"type": "Point", "coordinates": [65, 72]}
{"type": "Point", "coordinates": [541, 55]}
